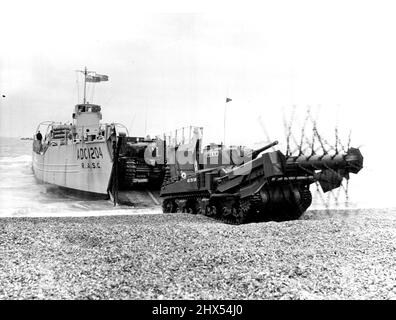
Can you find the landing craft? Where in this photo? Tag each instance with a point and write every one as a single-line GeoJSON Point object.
{"type": "Point", "coordinates": [93, 157]}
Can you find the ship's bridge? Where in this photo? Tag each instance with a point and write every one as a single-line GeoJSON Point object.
{"type": "Point", "coordinates": [87, 114]}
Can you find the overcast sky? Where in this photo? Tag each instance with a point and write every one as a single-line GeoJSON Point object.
{"type": "Point", "coordinates": [174, 63]}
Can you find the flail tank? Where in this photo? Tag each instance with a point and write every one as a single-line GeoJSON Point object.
{"type": "Point", "coordinates": [237, 186]}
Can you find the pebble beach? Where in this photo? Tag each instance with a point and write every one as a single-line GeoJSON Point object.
{"type": "Point", "coordinates": [338, 254]}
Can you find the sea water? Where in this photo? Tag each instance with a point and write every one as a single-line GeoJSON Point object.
{"type": "Point", "coordinates": [22, 195]}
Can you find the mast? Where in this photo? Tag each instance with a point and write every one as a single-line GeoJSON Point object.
{"type": "Point", "coordinates": [91, 76]}
{"type": "Point", "coordinates": [85, 84]}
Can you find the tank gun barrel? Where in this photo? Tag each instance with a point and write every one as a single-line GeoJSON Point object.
{"type": "Point", "coordinates": [256, 152]}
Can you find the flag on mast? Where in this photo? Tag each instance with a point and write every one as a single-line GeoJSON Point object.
{"type": "Point", "coordinates": [102, 77]}
{"type": "Point", "coordinates": [97, 78]}
{"type": "Point", "coordinates": [228, 100]}
{"type": "Point", "coordinates": [92, 79]}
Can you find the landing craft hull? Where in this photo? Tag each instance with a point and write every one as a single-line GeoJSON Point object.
{"type": "Point", "coordinates": [83, 166]}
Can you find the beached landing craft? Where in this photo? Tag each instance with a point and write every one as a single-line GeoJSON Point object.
{"type": "Point", "coordinates": [93, 157]}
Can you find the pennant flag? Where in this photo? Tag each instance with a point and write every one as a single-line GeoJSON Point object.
{"type": "Point", "coordinates": [228, 100]}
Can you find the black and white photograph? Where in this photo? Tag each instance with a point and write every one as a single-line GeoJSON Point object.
{"type": "Point", "coordinates": [201, 151]}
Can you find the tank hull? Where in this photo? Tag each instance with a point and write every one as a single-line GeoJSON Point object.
{"type": "Point", "coordinates": [80, 166]}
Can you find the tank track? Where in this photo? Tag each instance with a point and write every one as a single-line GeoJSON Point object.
{"type": "Point", "coordinates": [128, 172]}
{"type": "Point", "coordinates": [156, 177]}
{"type": "Point", "coordinates": [131, 169]}
{"type": "Point", "coordinates": [167, 175]}
{"type": "Point", "coordinates": [232, 210]}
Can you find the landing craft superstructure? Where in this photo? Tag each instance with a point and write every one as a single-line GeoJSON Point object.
{"type": "Point", "coordinates": [89, 156]}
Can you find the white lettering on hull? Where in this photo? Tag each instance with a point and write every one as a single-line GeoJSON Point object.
{"type": "Point", "coordinates": [89, 153]}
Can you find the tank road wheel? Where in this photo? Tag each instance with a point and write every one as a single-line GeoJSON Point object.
{"type": "Point", "coordinates": [208, 211]}
{"type": "Point", "coordinates": [192, 206]}
{"type": "Point", "coordinates": [179, 209]}
{"type": "Point", "coordinates": [166, 207]}
{"type": "Point", "coordinates": [180, 206]}
{"type": "Point", "coordinates": [226, 215]}
{"type": "Point", "coordinates": [234, 211]}
{"type": "Point", "coordinates": [211, 211]}
{"type": "Point", "coordinates": [169, 206]}
{"type": "Point", "coordinates": [214, 211]}
{"type": "Point", "coordinates": [240, 211]}
{"type": "Point", "coordinates": [227, 209]}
